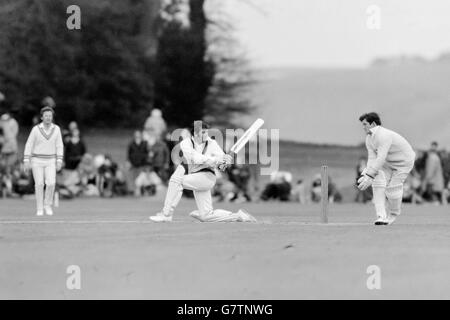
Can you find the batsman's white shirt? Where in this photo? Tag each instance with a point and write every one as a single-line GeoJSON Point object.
{"type": "Point", "coordinates": [202, 156]}
{"type": "Point", "coordinates": [388, 149]}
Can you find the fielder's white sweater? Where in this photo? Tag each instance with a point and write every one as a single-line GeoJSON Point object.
{"type": "Point", "coordinates": [42, 144]}
{"type": "Point", "coordinates": [387, 148]}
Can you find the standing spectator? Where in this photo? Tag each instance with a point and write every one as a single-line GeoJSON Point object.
{"type": "Point", "coordinates": [433, 183]}
{"type": "Point", "coordinates": [159, 157]}
{"type": "Point", "coordinates": [155, 125]}
{"type": "Point", "coordinates": [9, 148]}
{"type": "Point", "coordinates": [74, 150]}
{"type": "Point", "coordinates": [137, 155]}
{"type": "Point", "coordinates": [67, 133]}
{"type": "Point", "coordinates": [48, 102]}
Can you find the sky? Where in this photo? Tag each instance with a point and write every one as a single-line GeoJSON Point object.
{"type": "Point", "coordinates": [334, 33]}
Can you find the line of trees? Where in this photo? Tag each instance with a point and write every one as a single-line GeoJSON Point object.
{"type": "Point", "coordinates": [130, 56]}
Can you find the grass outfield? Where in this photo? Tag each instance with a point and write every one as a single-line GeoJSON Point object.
{"type": "Point", "coordinates": [287, 255]}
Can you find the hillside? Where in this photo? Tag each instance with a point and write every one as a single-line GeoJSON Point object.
{"type": "Point", "coordinates": [323, 106]}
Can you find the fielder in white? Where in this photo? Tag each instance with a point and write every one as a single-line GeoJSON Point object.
{"type": "Point", "coordinates": [44, 154]}
{"type": "Point", "coordinates": [202, 155]}
{"type": "Point", "coordinates": [391, 159]}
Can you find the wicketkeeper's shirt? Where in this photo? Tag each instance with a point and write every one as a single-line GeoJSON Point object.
{"type": "Point", "coordinates": [44, 144]}
{"type": "Point", "coordinates": [386, 147]}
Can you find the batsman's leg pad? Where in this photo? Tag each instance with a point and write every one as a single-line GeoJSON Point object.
{"type": "Point", "coordinates": [174, 191]}
{"type": "Point", "coordinates": [219, 215]}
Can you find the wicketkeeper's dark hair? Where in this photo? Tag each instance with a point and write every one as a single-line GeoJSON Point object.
{"type": "Point", "coordinates": [45, 109]}
{"type": "Point", "coordinates": [197, 124]}
{"type": "Point", "coordinates": [371, 117]}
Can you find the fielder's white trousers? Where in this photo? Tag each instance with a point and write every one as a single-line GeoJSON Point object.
{"type": "Point", "coordinates": [44, 174]}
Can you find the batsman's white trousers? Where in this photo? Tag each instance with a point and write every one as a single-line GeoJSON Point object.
{"type": "Point", "coordinates": [44, 173]}
{"type": "Point", "coordinates": [200, 183]}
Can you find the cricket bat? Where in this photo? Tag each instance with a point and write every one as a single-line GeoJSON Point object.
{"type": "Point", "coordinates": [245, 138]}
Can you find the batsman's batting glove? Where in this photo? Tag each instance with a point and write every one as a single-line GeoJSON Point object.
{"type": "Point", "coordinates": [364, 182]}
{"type": "Point", "coordinates": [223, 167]}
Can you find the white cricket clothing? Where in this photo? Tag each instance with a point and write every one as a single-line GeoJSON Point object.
{"type": "Point", "coordinates": [44, 148]}
{"type": "Point", "coordinates": [202, 156]}
{"type": "Point", "coordinates": [200, 178]}
{"type": "Point", "coordinates": [388, 149]}
{"type": "Point", "coordinates": [391, 159]}
{"type": "Point", "coordinates": [44, 144]}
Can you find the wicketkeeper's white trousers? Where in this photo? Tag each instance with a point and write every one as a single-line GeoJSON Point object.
{"type": "Point", "coordinates": [388, 184]}
{"type": "Point", "coordinates": [44, 174]}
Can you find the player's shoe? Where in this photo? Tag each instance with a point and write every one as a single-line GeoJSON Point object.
{"type": "Point", "coordinates": [244, 216]}
{"type": "Point", "coordinates": [48, 211]}
{"type": "Point", "coordinates": [381, 221]}
{"type": "Point", "coordinates": [391, 218]}
{"type": "Point", "coordinates": [40, 213]}
{"type": "Point", "coordinates": [160, 217]}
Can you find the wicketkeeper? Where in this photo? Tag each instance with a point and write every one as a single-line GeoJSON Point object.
{"type": "Point", "coordinates": [391, 159]}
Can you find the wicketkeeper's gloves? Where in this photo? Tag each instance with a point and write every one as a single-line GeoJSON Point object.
{"type": "Point", "coordinates": [364, 182]}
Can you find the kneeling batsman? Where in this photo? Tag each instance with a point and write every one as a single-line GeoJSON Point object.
{"type": "Point", "coordinates": [201, 156]}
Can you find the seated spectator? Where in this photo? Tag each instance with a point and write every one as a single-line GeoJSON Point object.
{"type": "Point", "coordinates": [316, 191]}
{"type": "Point", "coordinates": [23, 183]}
{"type": "Point", "coordinates": [107, 177]}
{"type": "Point", "coordinates": [120, 186]}
{"type": "Point", "coordinates": [279, 187]}
{"type": "Point", "coordinates": [69, 183]}
{"type": "Point", "coordinates": [223, 189]}
{"type": "Point", "coordinates": [299, 192]}
{"type": "Point", "coordinates": [74, 151]}
{"type": "Point", "coordinates": [88, 176]}
{"type": "Point", "coordinates": [147, 183]}
{"type": "Point", "coordinates": [239, 175]}
{"type": "Point", "coordinates": [411, 188]}
{"type": "Point", "coordinates": [137, 157]}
